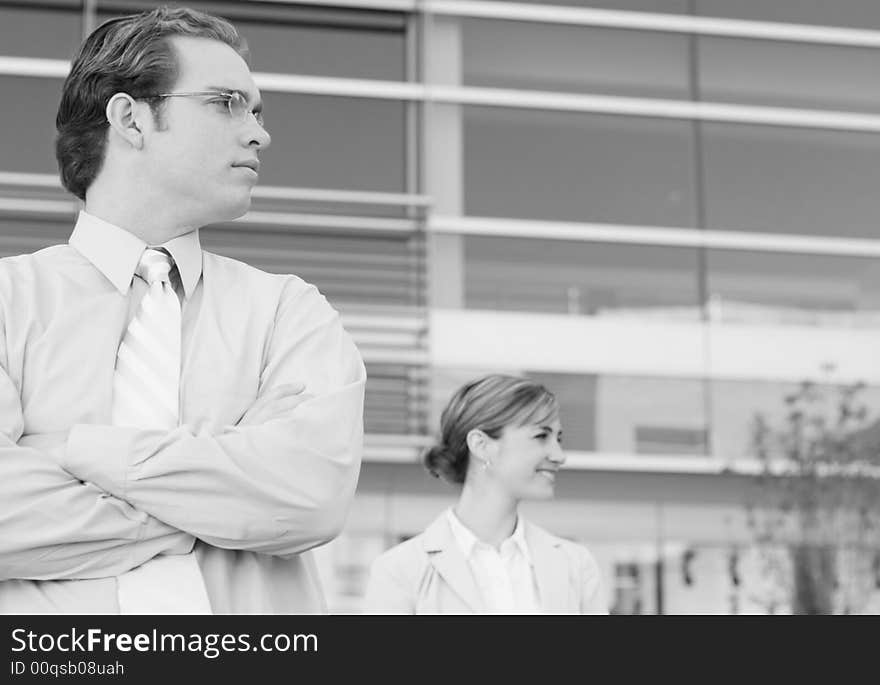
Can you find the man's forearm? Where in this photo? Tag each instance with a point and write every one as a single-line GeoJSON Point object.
{"type": "Point", "coordinates": [277, 488]}
{"type": "Point", "coordinates": [52, 526]}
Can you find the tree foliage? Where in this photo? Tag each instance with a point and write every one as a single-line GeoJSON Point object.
{"type": "Point", "coordinates": [815, 513]}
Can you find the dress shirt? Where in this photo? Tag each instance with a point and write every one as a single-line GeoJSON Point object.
{"type": "Point", "coordinates": [83, 501]}
{"type": "Point", "coordinates": [505, 576]}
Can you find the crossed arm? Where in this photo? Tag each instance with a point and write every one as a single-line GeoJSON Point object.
{"type": "Point", "coordinates": [105, 499]}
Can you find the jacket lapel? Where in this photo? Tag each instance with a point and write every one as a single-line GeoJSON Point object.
{"type": "Point", "coordinates": [446, 557]}
{"type": "Point", "coordinates": [551, 570]}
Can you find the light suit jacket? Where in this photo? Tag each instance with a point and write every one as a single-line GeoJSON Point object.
{"type": "Point", "coordinates": [428, 574]}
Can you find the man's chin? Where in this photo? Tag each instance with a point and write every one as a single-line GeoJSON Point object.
{"type": "Point", "coordinates": [232, 210]}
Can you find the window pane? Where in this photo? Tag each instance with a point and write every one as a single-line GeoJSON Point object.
{"type": "Point", "coordinates": [389, 405]}
{"type": "Point", "coordinates": [592, 279]}
{"type": "Point", "coordinates": [353, 269]}
{"type": "Point", "coordinates": [576, 395]}
{"type": "Point", "coordinates": [322, 41]}
{"type": "Point", "coordinates": [27, 141]}
{"type": "Point", "coordinates": [736, 404]}
{"type": "Point", "coordinates": [26, 234]}
{"type": "Point", "coordinates": [510, 54]}
{"type": "Point", "coordinates": [326, 51]}
{"type": "Point", "coordinates": [772, 179]}
{"type": "Point", "coordinates": [333, 142]}
{"type": "Point", "coordinates": [48, 32]}
{"type": "Point", "coordinates": [640, 415]}
{"type": "Point", "coordinates": [675, 6]}
{"type": "Point", "coordinates": [609, 413]}
{"type": "Point", "coordinates": [861, 14]}
{"type": "Point", "coordinates": [789, 74]}
{"type": "Point", "coordinates": [577, 167]}
{"type": "Point", "coordinates": [813, 290]}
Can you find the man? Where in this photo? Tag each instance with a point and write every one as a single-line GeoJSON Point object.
{"type": "Point", "coordinates": [176, 428]}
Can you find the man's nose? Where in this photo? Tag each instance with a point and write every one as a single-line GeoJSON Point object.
{"type": "Point", "coordinates": [259, 136]}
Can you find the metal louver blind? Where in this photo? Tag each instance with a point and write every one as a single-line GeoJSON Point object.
{"type": "Point", "coordinates": [25, 234]}
{"type": "Point", "coordinates": [375, 281]}
{"type": "Point", "coordinates": [396, 400]}
{"type": "Point", "coordinates": [360, 269]}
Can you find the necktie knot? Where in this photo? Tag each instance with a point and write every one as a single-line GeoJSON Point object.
{"type": "Point", "coordinates": [155, 265]}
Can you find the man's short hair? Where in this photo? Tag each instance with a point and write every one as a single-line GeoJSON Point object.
{"type": "Point", "coordinates": [131, 55]}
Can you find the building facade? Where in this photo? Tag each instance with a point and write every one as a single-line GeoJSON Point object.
{"type": "Point", "coordinates": [666, 211]}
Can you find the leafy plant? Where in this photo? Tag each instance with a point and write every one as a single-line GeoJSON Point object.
{"type": "Point", "coordinates": [815, 514]}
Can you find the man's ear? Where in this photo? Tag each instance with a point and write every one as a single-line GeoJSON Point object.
{"type": "Point", "coordinates": [126, 118]}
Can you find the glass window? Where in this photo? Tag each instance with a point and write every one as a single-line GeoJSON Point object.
{"type": "Point", "coordinates": [737, 404]}
{"type": "Point", "coordinates": [789, 74]}
{"type": "Point", "coordinates": [52, 32]}
{"type": "Point", "coordinates": [27, 143]}
{"type": "Point", "coordinates": [580, 278]}
{"type": "Point", "coordinates": [391, 401]}
{"type": "Point", "coordinates": [354, 269]}
{"type": "Point", "coordinates": [322, 50]}
{"type": "Point", "coordinates": [861, 14]}
{"type": "Point", "coordinates": [577, 167]}
{"type": "Point", "coordinates": [285, 38]}
{"type": "Point", "coordinates": [701, 578]}
{"type": "Point", "coordinates": [510, 54]}
{"type": "Point", "coordinates": [675, 6]}
{"type": "Point", "coordinates": [628, 589]}
{"type": "Point", "coordinates": [334, 142]}
{"type": "Point", "coordinates": [320, 141]}
{"type": "Point", "coordinates": [641, 415]}
{"type": "Point", "coordinates": [26, 234]}
{"type": "Point", "coordinates": [779, 180]}
{"type": "Point", "coordinates": [576, 395]}
{"type": "Point", "coordinates": [608, 413]}
{"type": "Point", "coordinates": [777, 289]}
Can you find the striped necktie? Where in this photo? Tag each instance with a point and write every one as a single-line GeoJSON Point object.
{"type": "Point", "coordinates": [146, 389]}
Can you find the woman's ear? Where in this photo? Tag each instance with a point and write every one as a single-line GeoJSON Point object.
{"type": "Point", "coordinates": [480, 445]}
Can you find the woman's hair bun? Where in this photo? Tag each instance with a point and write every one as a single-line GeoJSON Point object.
{"type": "Point", "coordinates": [443, 463]}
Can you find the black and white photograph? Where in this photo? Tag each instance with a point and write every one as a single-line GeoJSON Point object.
{"type": "Point", "coordinates": [435, 307]}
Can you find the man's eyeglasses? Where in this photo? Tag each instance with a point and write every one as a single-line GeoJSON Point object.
{"type": "Point", "coordinates": [236, 103]}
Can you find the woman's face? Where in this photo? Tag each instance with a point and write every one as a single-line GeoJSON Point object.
{"type": "Point", "coordinates": [525, 459]}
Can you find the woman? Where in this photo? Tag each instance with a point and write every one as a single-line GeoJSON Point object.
{"type": "Point", "coordinates": [500, 438]}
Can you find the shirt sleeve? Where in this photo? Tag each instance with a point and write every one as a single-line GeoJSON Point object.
{"type": "Point", "coordinates": [52, 526]}
{"type": "Point", "coordinates": [277, 488]}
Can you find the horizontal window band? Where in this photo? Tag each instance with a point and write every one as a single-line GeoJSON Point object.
{"type": "Point", "coordinates": [517, 228]}
{"type": "Point", "coordinates": [280, 220]}
{"type": "Point", "coordinates": [620, 19]}
{"type": "Point", "coordinates": [520, 99]}
{"type": "Point", "coordinates": [657, 22]}
{"type": "Point", "coordinates": [654, 235]}
{"type": "Point", "coordinates": [408, 449]}
{"type": "Point", "coordinates": [649, 343]}
{"type": "Point", "coordinates": [331, 196]}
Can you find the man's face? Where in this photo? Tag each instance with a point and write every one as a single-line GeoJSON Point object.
{"type": "Point", "coordinates": [201, 158]}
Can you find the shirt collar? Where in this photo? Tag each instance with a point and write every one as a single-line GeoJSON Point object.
{"type": "Point", "coordinates": [115, 252]}
{"type": "Point", "coordinates": [467, 541]}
